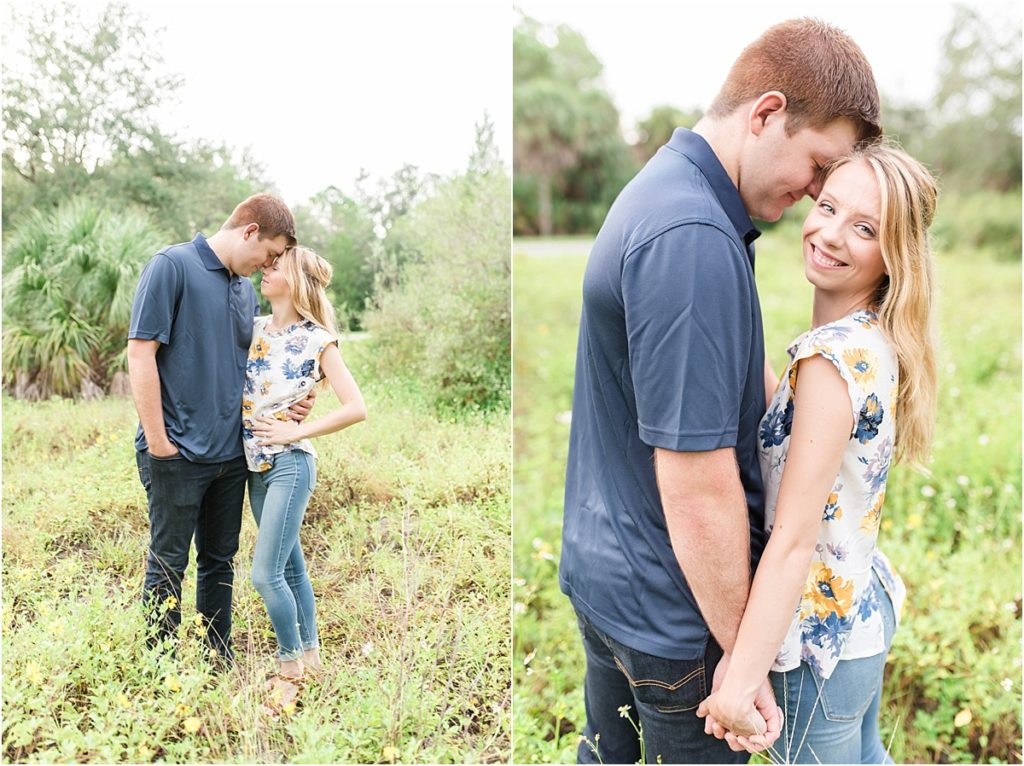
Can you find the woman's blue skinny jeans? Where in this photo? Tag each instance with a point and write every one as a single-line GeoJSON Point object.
{"type": "Point", "coordinates": [278, 498]}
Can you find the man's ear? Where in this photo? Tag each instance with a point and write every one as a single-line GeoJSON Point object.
{"type": "Point", "coordinates": [770, 105]}
{"type": "Point", "coordinates": [249, 230]}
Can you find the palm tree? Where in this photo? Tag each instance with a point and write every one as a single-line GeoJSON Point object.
{"type": "Point", "coordinates": [69, 280]}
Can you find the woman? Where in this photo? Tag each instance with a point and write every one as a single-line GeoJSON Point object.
{"type": "Point", "coordinates": [859, 391]}
{"type": "Point", "coordinates": [292, 350]}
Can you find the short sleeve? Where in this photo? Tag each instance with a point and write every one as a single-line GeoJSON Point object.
{"type": "Point", "coordinates": [322, 339]}
{"type": "Point", "coordinates": [857, 365]}
{"type": "Point", "coordinates": [688, 303]}
{"type": "Point", "coordinates": [156, 297]}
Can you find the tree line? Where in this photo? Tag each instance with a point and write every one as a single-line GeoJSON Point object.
{"type": "Point", "coordinates": [571, 158]}
{"type": "Point", "coordinates": [93, 187]}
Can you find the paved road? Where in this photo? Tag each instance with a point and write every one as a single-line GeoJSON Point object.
{"type": "Point", "coordinates": [543, 248]}
{"type": "Point", "coordinates": [354, 336]}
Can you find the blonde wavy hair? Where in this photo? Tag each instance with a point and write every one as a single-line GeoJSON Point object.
{"type": "Point", "coordinates": [905, 297]}
{"type": "Point", "coordinates": [308, 275]}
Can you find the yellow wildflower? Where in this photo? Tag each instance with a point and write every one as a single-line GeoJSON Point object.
{"type": "Point", "coordinates": [390, 753]}
{"type": "Point", "coordinates": [192, 725]}
{"type": "Point", "coordinates": [35, 675]}
{"type": "Point", "coordinates": [172, 683]}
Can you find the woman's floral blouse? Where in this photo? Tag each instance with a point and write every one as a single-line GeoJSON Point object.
{"type": "Point", "coordinates": [283, 366]}
{"type": "Point", "coordinates": [838, 616]}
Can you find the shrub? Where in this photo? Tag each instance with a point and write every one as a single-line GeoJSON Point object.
{"type": "Point", "coordinates": [447, 322]}
{"type": "Point", "coordinates": [69, 281]}
{"type": "Point", "coordinates": [980, 220]}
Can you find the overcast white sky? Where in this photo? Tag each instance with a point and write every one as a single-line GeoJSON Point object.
{"type": "Point", "coordinates": [375, 84]}
{"type": "Point", "coordinates": [365, 84]}
{"type": "Point", "coordinates": [679, 53]}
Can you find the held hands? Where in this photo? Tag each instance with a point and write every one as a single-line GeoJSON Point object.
{"type": "Point", "coordinates": [273, 431]}
{"type": "Point", "coordinates": [744, 722]}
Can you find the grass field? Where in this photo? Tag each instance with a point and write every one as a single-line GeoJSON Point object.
{"type": "Point", "coordinates": [953, 683]}
{"type": "Point", "coordinates": [407, 543]}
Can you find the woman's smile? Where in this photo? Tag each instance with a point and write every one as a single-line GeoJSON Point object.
{"type": "Point", "coordinates": [825, 260]}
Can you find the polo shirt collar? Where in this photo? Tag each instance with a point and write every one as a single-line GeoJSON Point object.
{"type": "Point", "coordinates": [209, 258]}
{"type": "Point", "coordinates": [700, 153]}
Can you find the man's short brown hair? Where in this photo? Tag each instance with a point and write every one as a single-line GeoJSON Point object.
{"type": "Point", "coordinates": [820, 69]}
{"type": "Point", "coordinates": [272, 215]}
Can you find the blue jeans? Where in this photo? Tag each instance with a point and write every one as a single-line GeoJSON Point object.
{"type": "Point", "coordinates": [278, 497]}
{"type": "Point", "coordinates": [186, 500]}
{"type": "Point", "coordinates": [663, 696]}
{"type": "Point", "coordinates": [835, 720]}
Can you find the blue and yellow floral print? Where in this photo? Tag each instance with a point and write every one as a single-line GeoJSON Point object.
{"type": "Point", "coordinates": [283, 366]}
{"type": "Point", "coordinates": [837, 617]}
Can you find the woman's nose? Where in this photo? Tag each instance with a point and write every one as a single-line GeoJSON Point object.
{"type": "Point", "coordinates": [830, 232]}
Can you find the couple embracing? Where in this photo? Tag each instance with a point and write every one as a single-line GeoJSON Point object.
{"type": "Point", "coordinates": [719, 539]}
{"type": "Point", "coordinates": [222, 395]}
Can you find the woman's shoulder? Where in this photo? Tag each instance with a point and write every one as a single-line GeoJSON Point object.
{"type": "Point", "coordinates": [859, 350]}
{"type": "Point", "coordinates": [316, 336]}
{"type": "Point", "coordinates": [320, 332]}
{"type": "Point", "coordinates": [861, 329]}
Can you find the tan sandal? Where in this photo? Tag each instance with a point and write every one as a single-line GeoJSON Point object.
{"type": "Point", "coordinates": [283, 693]}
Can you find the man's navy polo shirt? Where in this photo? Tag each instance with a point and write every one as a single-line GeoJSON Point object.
{"type": "Point", "coordinates": [202, 315]}
{"type": "Point", "coordinates": [670, 355]}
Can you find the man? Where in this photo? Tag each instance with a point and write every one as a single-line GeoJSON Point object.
{"type": "Point", "coordinates": [188, 343]}
{"type": "Point", "coordinates": [663, 499]}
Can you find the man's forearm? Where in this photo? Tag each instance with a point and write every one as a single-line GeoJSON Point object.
{"type": "Point", "coordinates": [714, 554]}
{"type": "Point", "coordinates": [710, 535]}
{"type": "Point", "coordinates": [144, 378]}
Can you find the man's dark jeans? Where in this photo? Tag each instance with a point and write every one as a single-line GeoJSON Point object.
{"type": "Point", "coordinates": [189, 500]}
{"type": "Point", "coordinates": [662, 696]}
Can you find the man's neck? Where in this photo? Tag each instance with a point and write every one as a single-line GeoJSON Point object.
{"type": "Point", "coordinates": [725, 137]}
{"type": "Point", "coordinates": [220, 245]}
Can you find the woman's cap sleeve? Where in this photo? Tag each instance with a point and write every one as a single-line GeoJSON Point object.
{"type": "Point", "coordinates": [850, 362]}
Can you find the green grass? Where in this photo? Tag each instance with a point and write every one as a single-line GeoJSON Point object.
{"type": "Point", "coordinates": [954, 535]}
{"type": "Point", "coordinates": [407, 543]}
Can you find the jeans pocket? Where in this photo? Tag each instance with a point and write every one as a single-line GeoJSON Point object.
{"type": "Point", "coordinates": [311, 473]}
{"type": "Point", "coordinates": [142, 463]}
{"type": "Point", "coordinates": [847, 693]}
{"type": "Point", "coordinates": [173, 480]}
{"type": "Point", "coordinates": [670, 686]}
